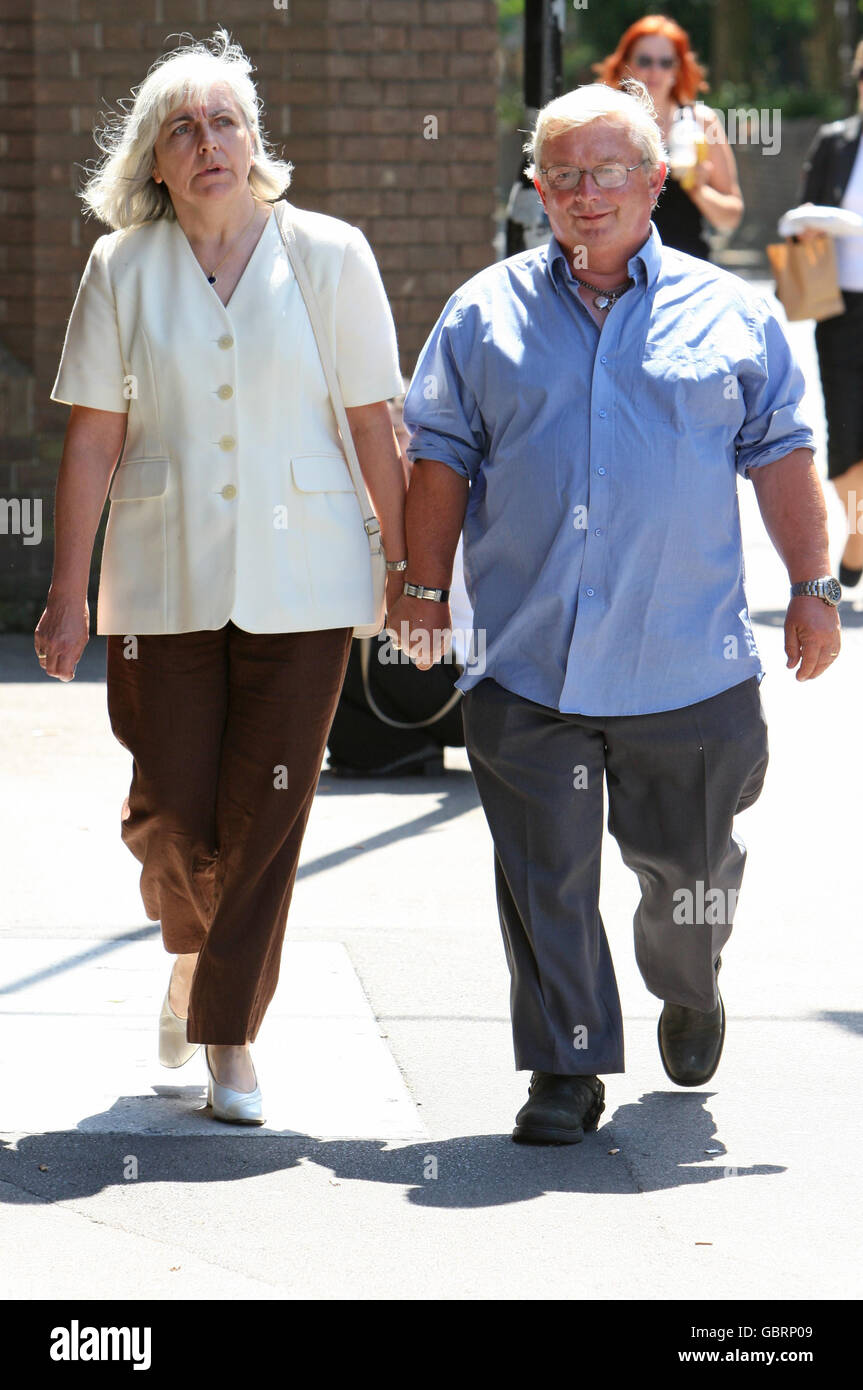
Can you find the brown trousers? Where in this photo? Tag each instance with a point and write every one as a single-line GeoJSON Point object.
{"type": "Point", "coordinates": [227, 730]}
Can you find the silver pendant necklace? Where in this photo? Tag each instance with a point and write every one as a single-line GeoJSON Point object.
{"type": "Point", "coordinates": [603, 299]}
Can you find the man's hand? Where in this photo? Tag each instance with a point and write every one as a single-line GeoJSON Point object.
{"type": "Point", "coordinates": [812, 636]}
{"type": "Point", "coordinates": [421, 628]}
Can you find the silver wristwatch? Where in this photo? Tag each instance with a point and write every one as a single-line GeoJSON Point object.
{"type": "Point", "coordinates": [827, 589]}
{"type": "Point", "coordinates": [421, 591]}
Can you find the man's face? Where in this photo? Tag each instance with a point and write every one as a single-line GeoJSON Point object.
{"type": "Point", "coordinates": [610, 223]}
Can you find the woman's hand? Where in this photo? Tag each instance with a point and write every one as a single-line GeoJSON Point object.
{"type": "Point", "coordinates": [699, 176]}
{"type": "Point", "coordinates": [712, 184]}
{"type": "Point", "coordinates": [395, 586]}
{"type": "Point", "coordinates": [93, 442]}
{"type": "Point", "coordinates": [809, 234]}
{"type": "Point", "coordinates": [62, 633]}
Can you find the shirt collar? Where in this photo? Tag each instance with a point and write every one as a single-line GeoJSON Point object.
{"type": "Point", "coordinates": [643, 266]}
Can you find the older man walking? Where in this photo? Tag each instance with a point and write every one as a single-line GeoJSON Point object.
{"type": "Point", "coordinates": [583, 409]}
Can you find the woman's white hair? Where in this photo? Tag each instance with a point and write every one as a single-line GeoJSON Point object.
{"type": "Point", "coordinates": [629, 106]}
{"type": "Point", "coordinates": [120, 190]}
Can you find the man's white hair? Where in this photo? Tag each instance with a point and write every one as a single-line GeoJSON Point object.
{"type": "Point", "coordinates": [120, 190]}
{"type": "Point", "coordinates": [629, 107]}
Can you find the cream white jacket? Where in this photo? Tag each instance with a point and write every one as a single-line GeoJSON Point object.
{"type": "Point", "coordinates": [232, 498]}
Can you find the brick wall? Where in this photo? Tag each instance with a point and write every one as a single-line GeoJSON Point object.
{"type": "Point", "coordinates": [385, 107]}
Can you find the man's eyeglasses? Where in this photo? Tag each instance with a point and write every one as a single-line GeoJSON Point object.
{"type": "Point", "coordinates": [564, 177]}
{"type": "Point", "coordinates": [645, 61]}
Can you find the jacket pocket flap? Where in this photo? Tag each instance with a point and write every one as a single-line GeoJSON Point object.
{"type": "Point", "coordinates": [321, 473]}
{"type": "Point", "coordinates": [139, 478]}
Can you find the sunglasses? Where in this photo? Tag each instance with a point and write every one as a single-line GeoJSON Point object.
{"type": "Point", "coordinates": [645, 61]}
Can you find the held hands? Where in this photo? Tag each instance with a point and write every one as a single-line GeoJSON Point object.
{"type": "Point", "coordinates": [420, 628]}
{"type": "Point", "coordinates": [812, 636]}
{"type": "Point", "coordinates": [61, 635]}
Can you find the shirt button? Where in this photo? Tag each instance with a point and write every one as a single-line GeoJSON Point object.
{"type": "Point", "coordinates": [229, 492]}
{"type": "Point", "coordinates": [598, 531]}
{"type": "Point", "coordinates": [226, 341]}
{"type": "Point", "coordinates": [225, 393]}
{"type": "Point", "coordinates": [601, 472]}
{"type": "Point", "coordinates": [227, 442]}
{"type": "Point", "coordinates": [589, 593]}
{"type": "Point", "coordinates": [603, 359]}
{"type": "Point", "coordinates": [603, 414]}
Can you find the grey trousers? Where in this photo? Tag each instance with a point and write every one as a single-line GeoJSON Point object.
{"type": "Point", "coordinates": [675, 782]}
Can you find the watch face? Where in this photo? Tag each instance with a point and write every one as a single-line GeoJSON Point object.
{"type": "Point", "coordinates": [832, 590]}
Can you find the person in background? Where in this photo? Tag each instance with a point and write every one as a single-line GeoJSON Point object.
{"type": "Point", "coordinates": [703, 185]}
{"type": "Point", "coordinates": [833, 177]}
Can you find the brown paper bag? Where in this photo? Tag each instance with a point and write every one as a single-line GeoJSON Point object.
{"type": "Point", "coordinates": [807, 286]}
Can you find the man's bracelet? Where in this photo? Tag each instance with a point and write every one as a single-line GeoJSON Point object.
{"type": "Point", "coordinates": [397, 565]}
{"type": "Point", "coordinates": [421, 591]}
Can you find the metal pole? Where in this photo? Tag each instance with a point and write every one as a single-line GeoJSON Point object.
{"type": "Point", "coordinates": [544, 23]}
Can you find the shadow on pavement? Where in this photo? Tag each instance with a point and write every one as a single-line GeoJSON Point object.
{"type": "Point", "coordinates": [457, 795]}
{"type": "Point", "coordinates": [852, 1021]}
{"type": "Point", "coordinates": [472, 1171]}
{"type": "Point", "coordinates": [91, 953]}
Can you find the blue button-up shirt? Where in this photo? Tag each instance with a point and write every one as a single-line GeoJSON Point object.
{"type": "Point", "coordinates": [602, 547]}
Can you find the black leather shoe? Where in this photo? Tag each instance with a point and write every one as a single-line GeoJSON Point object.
{"type": "Point", "coordinates": [559, 1109]}
{"type": "Point", "coordinates": [848, 577]}
{"type": "Point", "coordinates": [690, 1042]}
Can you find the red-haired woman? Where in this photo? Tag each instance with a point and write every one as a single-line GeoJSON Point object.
{"type": "Point", "coordinates": [703, 175]}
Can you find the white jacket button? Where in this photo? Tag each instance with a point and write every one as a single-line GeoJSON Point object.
{"type": "Point", "coordinates": [226, 341]}
{"type": "Point", "coordinates": [225, 393]}
{"type": "Point", "coordinates": [227, 442]}
{"type": "Point", "coordinates": [229, 492]}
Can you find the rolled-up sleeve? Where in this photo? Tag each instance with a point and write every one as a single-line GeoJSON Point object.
{"type": "Point", "coordinates": [441, 411]}
{"type": "Point", "coordinates": [367, 358]}
{"type": "Point", "coordinates": [773, 388]}
{"type": "Point", "coordinates": [91, 371]}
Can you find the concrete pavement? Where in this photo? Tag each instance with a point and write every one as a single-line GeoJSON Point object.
{"type": "Point", "coordinates": [386, 1170]}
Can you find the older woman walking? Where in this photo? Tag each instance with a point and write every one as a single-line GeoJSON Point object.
{"type": "Point", "coordinates": [236, 561]}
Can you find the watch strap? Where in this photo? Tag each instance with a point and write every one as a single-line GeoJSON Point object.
{"type": "Point", "coordinates": [423, 591]}
{"type": "Point", "coordinates": [826, 588]}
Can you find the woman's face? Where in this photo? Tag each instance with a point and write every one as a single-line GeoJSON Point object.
{"type": "Point", "coordinates": [203, 151]}
{"type": "Point", "coordinates": [654, 50]}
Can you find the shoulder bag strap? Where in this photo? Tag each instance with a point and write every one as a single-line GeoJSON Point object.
{"type": "Point", "coordinates": [365, 671]}
{"type": "Point", "coordinates": [313, 308]}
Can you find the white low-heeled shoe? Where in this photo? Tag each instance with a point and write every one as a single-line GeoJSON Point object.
{"type": "Point", "coordinates": [175, 1050]}
{"type": "Point", "coordinates": [234, 1107]}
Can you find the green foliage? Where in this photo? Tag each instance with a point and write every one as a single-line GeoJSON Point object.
{"type": "Point", "coordinates": [780, 34]}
